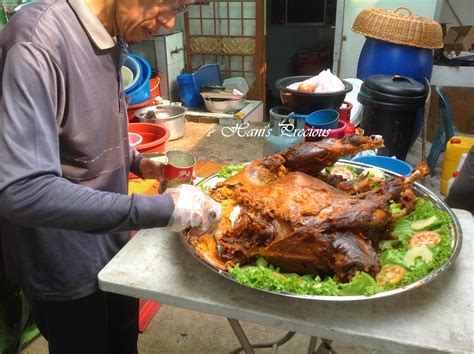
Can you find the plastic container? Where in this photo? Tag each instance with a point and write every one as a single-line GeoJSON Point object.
{"type": "Point", "coordinates": [134, 67]}
{"type": "Point", "coordinates": [188, 92]}
{"type": "Point", "coordinates": [323, 119]}
{"type": "Point", "coordinates": [455, 148]}
{"type": "Point", "coordinates": [155, 86]}
{"type": "Point", "coordinates": [345, 111]}
{"type": "Point", "coordinates": [155, 137]}
{"type": "Point", "coordinates": [451, 180]}
{"type": "Point", "coordinates": [308, 102]}
{"type": "Point", "coordinates": [389, 108]}
{"type": "Point", "coordinates": [388, 163]}
{"type": "Point", "coordinates": [380, 57]}
{"type": "Point", "coordinates": [141, 93]}
{"type": "Point", "coordinates": [133, 108]}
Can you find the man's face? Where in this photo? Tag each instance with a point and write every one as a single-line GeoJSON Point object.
{"type": "Point", "coordinates": [141, 19]}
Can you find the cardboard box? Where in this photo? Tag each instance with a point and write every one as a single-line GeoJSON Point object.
{"type": "Point", "coordinates": [459, 38]}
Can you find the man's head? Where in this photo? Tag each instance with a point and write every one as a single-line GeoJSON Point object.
{"type": "Point", "coordinates": [135, 20]}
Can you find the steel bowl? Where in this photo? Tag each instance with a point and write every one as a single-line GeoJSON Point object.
{"type": "Point", "coordinates": [223, 103]}
{"type": "Point", "coordinates": [308, 102]}
{"type": "Point", "coordinates": [420, 191]}
{"type": "Point", "coordinates": [172, 117]}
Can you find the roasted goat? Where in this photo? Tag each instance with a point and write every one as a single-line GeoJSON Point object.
{"type": "Point", "coordinates": [278, 208]}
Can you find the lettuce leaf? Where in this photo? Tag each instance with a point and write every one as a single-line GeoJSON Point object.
{"type": "Point", "coordinates": [227, 171]}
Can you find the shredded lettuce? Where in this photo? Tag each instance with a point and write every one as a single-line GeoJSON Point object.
{"type": "Point", "coordinates": [265, 276]}
{"type": "Point", "coordinates": [227, 171]}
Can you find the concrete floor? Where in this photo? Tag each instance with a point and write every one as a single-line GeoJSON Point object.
{"type": "Point", "coordinates": [175, 330]}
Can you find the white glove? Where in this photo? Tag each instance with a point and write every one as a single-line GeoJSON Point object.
{"type": "Point", "coordinates": [192, 208]}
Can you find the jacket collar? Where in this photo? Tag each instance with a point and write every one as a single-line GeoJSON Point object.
{"type": "Point", "coordinates": [93, 27]}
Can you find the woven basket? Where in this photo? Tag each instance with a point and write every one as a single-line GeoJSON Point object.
{"type": "Point", "coordinates": [398, 27]}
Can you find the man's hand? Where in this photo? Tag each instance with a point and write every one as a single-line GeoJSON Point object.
{"type": "Point", "coordinates": [151, 169]}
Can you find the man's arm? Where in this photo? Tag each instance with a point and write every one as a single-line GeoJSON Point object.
{"type": "Point", "coordinates": [32, 190]}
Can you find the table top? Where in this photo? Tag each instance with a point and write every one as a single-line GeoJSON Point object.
{"type": "Point", "coordinates": [439, 316]}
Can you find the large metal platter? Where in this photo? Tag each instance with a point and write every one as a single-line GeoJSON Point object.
{"type": "Point", "coordinates": [420, 191]}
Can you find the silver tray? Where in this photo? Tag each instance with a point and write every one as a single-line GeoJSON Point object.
{"type": "Point", "coordinates": [419, 190]}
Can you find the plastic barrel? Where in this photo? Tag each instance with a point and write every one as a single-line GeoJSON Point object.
{"type": "Point", "coordinates": [380, 57]}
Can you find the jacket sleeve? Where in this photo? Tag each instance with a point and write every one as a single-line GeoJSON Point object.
{"type": "Point", "coordinates": [33, 192]}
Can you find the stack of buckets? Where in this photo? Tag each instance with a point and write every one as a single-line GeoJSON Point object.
{"type": "Point", "coordinates": [287, 128]}
{"type": "Point", "coordinates": [144, 86]}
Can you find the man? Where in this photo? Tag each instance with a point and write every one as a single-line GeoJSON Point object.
{"type": "Point", "coordinates": [65, 159]}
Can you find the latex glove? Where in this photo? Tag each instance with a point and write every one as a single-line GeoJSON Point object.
{"type": "Point", "coordinates": [192, 208]}
{"type": "Point", "coordinates": [151, 169]}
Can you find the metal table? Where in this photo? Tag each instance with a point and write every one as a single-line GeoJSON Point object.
{"type": "Point", "coordinates": [438, 317]}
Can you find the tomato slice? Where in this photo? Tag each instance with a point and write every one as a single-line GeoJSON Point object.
{"type": "Point", "coordinates": [425, 238]}
{"type": "Point", "coordinates": [390, 274]}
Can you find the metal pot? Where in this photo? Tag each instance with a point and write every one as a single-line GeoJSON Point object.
{"type": "Point", "coordinates": [172, 117]}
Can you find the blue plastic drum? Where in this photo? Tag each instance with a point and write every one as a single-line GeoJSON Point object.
{"type": "Point", "coordinates": [380, 57]}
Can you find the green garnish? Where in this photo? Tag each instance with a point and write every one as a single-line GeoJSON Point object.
{"type": "Point", "coordinates": [227, 171]}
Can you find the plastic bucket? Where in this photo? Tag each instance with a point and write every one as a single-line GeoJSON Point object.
{"type": "Point", "coordinates": [323, 119]}
{"type": "Point", "coordinates": [132, 65]}
{"type": "Point", "coordinates": [155, 137]}
{"type": "Point", "coordinates": [388, 163]}
{"type": "Point", "coordinates": [155, 87]}
{"type": "Point", "coordinates": [380, 57]}
{"type": "Point", "coordinates": [188, 92]}
{"type": "Point", "coordinates": [389, 108]}
{"type": "Point", "coordinates": [142, 92]}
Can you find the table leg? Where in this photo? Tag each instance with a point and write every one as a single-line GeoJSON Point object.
{"type": "Point", "coordinates": [239, 332]}
{"type": "Point", "coordinates": [312, 344]}
{"type": "Point", "coordinates": [247, 347]}
{"type": "Point", "coordinates": [325, 347]}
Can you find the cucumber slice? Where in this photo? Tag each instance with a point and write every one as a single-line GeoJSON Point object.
{"type": "Point", "coordinates": [373, 172]}
{"type": "Point", "coordinates": [417, 252]}
{"type": "Point", "coordinates": [423, 224]}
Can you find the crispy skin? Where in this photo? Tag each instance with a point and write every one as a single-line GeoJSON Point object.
{"type": "Point", "coordinates": [311, 158]}
{"type": "Point", "coordinates": [299, 222]}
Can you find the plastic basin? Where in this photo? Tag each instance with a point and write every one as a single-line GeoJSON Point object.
{"type": "Point", "coordinates": [130, 83]}
{"type": "Point", "coordinates": [388, 163]}
{"type": "Point", "coordinates": [155, 137]}
{"type": "Point", "coordinates": [142, 92]}
{"type": "Point", "coordinates": [323, 119]}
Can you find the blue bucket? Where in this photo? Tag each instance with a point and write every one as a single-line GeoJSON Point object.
{"type": "Point", "coordinates": [141, 93]}
{"type": "Point", "coordinates": [388, 163]}
{"type": "Point", "coordinates": [323, 119]}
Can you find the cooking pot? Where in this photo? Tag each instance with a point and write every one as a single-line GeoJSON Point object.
{"type": "Point", "coordinates": [172, 117]}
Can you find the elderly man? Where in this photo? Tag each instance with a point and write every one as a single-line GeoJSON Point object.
{"type": "Point", "coordinates": [65, 158]}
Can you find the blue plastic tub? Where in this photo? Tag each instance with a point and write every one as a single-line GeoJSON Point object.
{"type": "Point", "coordinates": [190, 85]}
{"type": "Point", "coordinates": [142, 92]}
{"type": "Point", "coordinates": [323, 119]}
{"type": "Point", "coordinates": [388, 163]}
{"type": "Point", "coordinates": [134, 67]}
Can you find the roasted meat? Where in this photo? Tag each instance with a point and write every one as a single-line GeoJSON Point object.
{"type": "Point", "coordinates": [299, 222]}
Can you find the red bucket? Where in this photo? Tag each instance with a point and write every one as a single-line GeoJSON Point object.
{"type": "Point", "coordinates": [155, 87]}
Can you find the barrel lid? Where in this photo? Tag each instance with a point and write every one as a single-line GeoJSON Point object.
{"type": "Point", "coordinates": [395, 85]}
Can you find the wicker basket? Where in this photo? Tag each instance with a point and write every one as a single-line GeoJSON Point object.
{"type": "Point", "coordinates": [398, 27]}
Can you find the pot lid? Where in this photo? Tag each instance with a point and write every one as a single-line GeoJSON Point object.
{"type": "Point", "coordinates": [395, 85]}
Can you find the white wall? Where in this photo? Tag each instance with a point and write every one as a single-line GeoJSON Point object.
{"type": "Point", "coordinates": [464, 10]}
{"type": "Point", "coordinates": [352, 46]}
